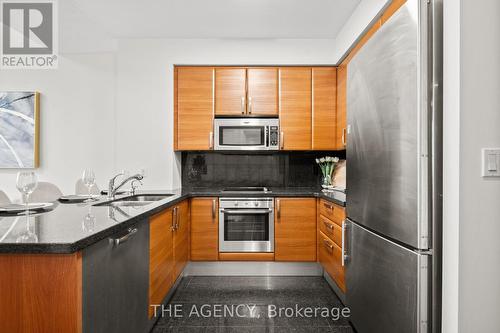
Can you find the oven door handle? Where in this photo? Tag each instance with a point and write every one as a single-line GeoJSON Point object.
{"type": "Point", "coordinates": [246, 211]}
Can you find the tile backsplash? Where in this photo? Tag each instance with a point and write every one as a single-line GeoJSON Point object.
{"type": "Point", "coordinates": [277, 169]}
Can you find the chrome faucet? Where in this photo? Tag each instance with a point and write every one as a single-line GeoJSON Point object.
{"type": "Point", "coordinates": [112, 189]}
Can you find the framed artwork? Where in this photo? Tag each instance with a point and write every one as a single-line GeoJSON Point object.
{"type": "Point", "coordinates": [19, 129]}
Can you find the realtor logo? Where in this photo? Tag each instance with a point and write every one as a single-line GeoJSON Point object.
{"type": "Point", "coordinates": [29, 34]}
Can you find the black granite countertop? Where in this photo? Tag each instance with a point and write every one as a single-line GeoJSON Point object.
{"type": "Point", "coordinates": [72, 227]}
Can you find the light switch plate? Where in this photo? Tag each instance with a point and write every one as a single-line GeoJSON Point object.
{"type": "Point", "coordinates": [491, 162]}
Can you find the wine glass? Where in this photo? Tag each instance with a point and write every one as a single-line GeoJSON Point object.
{"type": "Point", "coordinates": [88, 222]}
{"type": "Point", "coordinates": [88, 179]}
{"type": "Point", "coordinates": [28, 236]}
{"type": "Point", "coordinates": [26, 184]}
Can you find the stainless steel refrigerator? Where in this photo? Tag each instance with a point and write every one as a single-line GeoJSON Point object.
{"type": "Point", "coordinates": [393, 231]}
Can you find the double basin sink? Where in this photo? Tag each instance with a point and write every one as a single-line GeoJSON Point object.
{"type": "Point", "coordinates": [135, 200]}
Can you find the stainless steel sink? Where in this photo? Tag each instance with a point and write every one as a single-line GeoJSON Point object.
{"type": "Point", "coordinates": [128, 203]}
{"type": "Point", "coordinates": [135, 200]}
{"type": "Point", "coordinates": [145, 197]}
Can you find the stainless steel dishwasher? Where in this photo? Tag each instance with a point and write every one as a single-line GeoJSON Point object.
{"type": "Point", "coordinates": [115, 282]}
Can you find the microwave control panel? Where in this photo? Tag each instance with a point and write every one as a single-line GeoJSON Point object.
{"type": "Point", "coordinates": [273, 137]}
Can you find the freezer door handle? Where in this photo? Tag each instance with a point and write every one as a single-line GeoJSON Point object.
{"type": "Point", "coordinates": [344, 252]}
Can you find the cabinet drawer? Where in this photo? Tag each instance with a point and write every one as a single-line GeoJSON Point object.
{"type": "Point", "coordinates": [330, 229]}
{"type": "Point", "coordinates": [330, 257]}
{"type": "Point", "coordinates": [332, 211]}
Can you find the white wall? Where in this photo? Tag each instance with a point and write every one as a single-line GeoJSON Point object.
{"type": "Point", "coordinates": [144, 93]}
{"type": "Point", "coordinates": [451, 161]}
{"type": "Point", "coordinates": [76, 109]}
{"type": "Point", "coordinates": [479, 265]}
{"type": "Point", "coordinates": [360, 19]}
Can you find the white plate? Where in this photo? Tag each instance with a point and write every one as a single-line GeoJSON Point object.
{"type": "Point", "coordinates": [77, 197]}
{"type": "Point", "coordinates": [33, 206]}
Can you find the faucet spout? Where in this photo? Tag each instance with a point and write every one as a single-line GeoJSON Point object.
{"type": "Point", "coordinates": [113, 189]}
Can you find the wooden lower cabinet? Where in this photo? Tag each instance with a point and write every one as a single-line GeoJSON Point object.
{"type": "Point", "coordinates": [181, 237]}
{"type": "Point", "coordinates": [330, 257]}
{"type": "Point", "coordinates": [161, 257]}
{"type": "Point", "coordinates": [204, 229]}
{"type": "Point", "coordinates": [41, 292]}
{"type": "Point", "coordinates": [295, 229]}
{"type": "Point", "coordinates": [168, 251]}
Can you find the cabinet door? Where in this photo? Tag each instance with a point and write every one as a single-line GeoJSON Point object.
{"type": "Point", "coordinates": [295, 229]}
{"type": "Point", "coordinates": [341, 131]}
{"type": "Point", "coordinates": [262, 91]}
{"type": "Point", "coordinates": [330, 257]}
{"type": "Point", "coordinates": [295, 108]}
{"type": "Point", "coordinates": [324, 108]}
{"type": "Point", "coordinates": [181, 238]}
{"type": "Point", "coordinates": [161, 257]}
{"type": "Point", "coordinates": [204, 229]}
{"type": "Point", "coordinates": [194, 108]}
{"type": "Point", "coordinates": [230, 91]}
{"type": "Point", "coordinates": [115, 283]}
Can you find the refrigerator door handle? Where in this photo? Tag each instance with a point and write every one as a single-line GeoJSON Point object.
{"type": "Point", "coordinates": [344, 252]}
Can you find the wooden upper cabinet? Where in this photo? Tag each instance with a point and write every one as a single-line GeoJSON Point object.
{"type": "Point", "coordinates": [204, 229]}
{"type": "Point", "coordinates": [324, 108]}
{"type": "Point", "coordinates": [262, 91]}
{"type": "Point", "coordinates": [295, 108]}
{"type": "Point", "coordinates": [341, 130]}
{"type": "Point", "coordinates": [295, 229]}
{"type": "Point", "coordinates": [194, 108]}
{"type": "Point", "coordinates": [230, 91]}
{"type": "Point", "coordinates": [161, 257]}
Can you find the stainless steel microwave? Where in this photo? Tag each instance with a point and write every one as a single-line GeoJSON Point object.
{"type": "Point", "coordinates": [246, 133]}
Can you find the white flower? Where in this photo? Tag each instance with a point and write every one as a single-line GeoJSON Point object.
{"type": "Point", "coordinates": [322, 160]}
{"type": "Point", "coordinates": [317, 160]}
{"type": "Point", "coordinates": [336, 159]}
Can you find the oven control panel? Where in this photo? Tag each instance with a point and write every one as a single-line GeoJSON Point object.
{"type": "Point", "coordinates": [246, 203]}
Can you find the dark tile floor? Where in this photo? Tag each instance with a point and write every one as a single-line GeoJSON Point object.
{"type": "Point", "coordinates": [204, 304]}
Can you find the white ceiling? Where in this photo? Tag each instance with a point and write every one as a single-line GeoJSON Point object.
{"type": "Point", "coordinates": [205, 18]}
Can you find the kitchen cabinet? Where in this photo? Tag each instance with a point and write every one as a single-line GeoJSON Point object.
{"type": "Point", "coordinates": [341, 128]}
{"type": "Point", "coordinates": [181, 237]}
{"type": "Point", "coordinates": [262, 91]}
{"type": "Point", "coordinates": [204, 229]}
{"type": "Point", "coordinates": [161, 257]}
{"type": "Point", "coordinates": [295, 229]}
{"type": "Point", "coordinates": [330, 223]}
{"type": "Point", "coordinates": [330, 257]}
{"type": "Point", "coordinates": [193, 108]}
{"type": "Point", "coordinates": [324, 99]}
{"type": "Point", "coordinates": [168, 250]}
{"type": "Point", "coordinates": [230, 91]}
{"type": "Point", "coordinates": [295, 108]}
{"type": "Point", "coordinates": [115, 283]}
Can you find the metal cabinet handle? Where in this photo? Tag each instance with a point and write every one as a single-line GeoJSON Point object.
{"type": "Point", "coordinates": [249, 105]}
{"type": "Point", "coordinates": [278, 208]}
{"type": "Point", "coordinates": [175, 219]}
{"type": "Point", "coordinates": [344, 256]}
{"type": "Point", "coordinates": [328, 225]}
{"type": "Point", "coordinates": [328, 245]}
{"type": "Point", "coordinates": [330, 207]}
{"type": "Point", "coordinates": [242, 104]}
{"type": "Point", "coordinates": [178, 224]}
{"type": "Point", "coordinates": [343, 136]}
{"type": "Point", "coordinates": [123, 239]}
{"type": "Point", "coordinates": [214, 208]}
{"type": "Point", "coordinates": [282, 140]}
{"type": "Point", "coordinates": [211, 140]}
